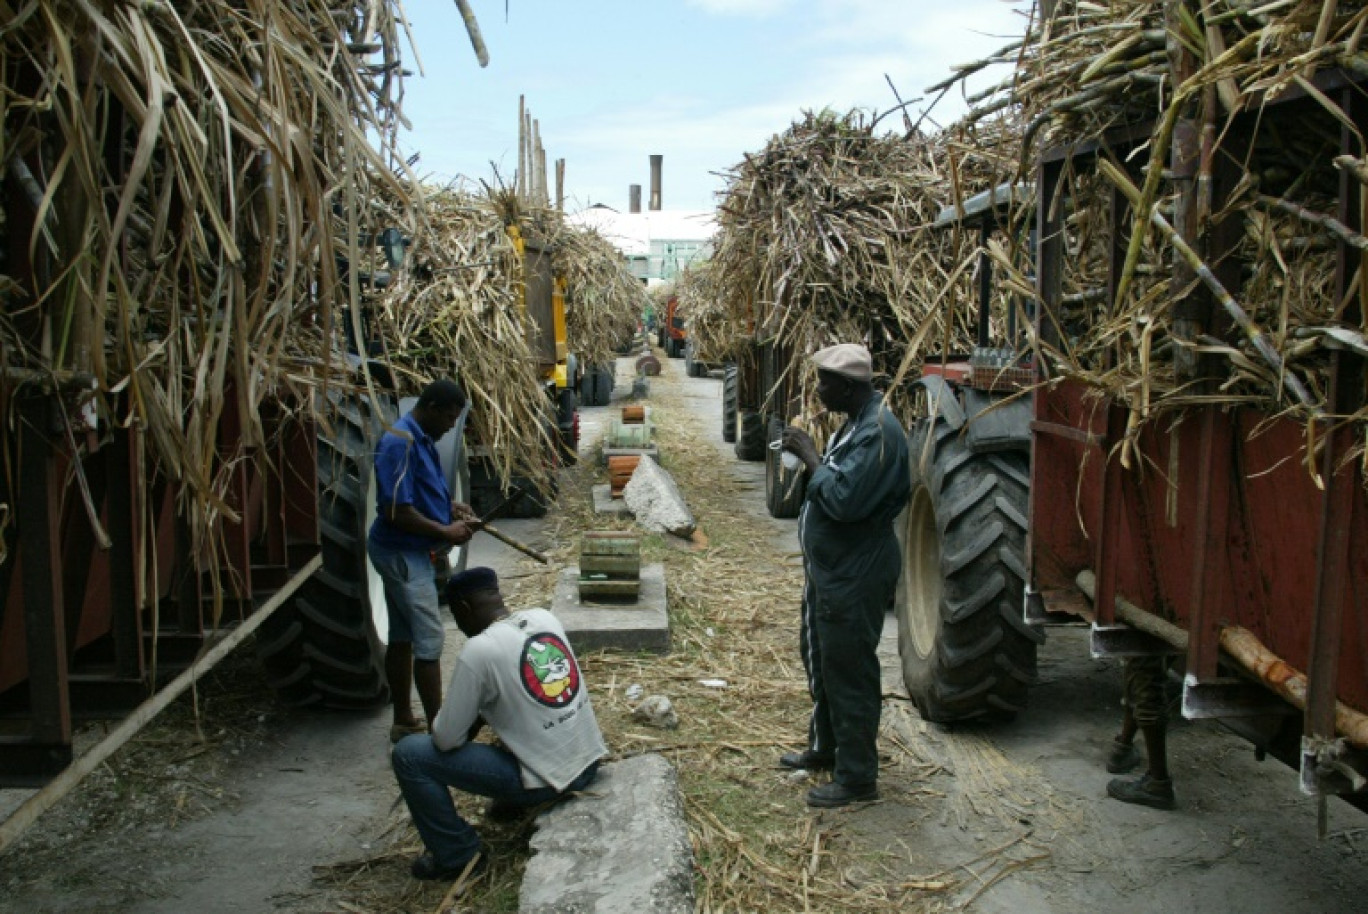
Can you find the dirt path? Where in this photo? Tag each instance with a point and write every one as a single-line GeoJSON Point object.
{"type": "Point", "coordinates": [262, 809]}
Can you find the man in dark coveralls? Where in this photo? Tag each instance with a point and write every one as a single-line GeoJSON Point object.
{"type": "Point", "coordinates": [851, 560]}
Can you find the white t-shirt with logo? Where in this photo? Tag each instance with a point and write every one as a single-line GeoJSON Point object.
{"type": "Point", "coordinates": [521, 676]}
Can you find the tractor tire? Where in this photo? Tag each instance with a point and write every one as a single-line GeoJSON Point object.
{"type": "Point", "coordinates": [966, 649]}
{"type": "Point", "coordinates": [567, 426]}
{"type": "Point", "coordinates": [729, 404]}
{"type": "Point", "coordinates": [784, 488]}
{"type": "Point", "coordinates": [750, 435]}
{"type": "Point", "coordinates": [325, 647]}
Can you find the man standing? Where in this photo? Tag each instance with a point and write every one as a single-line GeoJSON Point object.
{"type": "Point", "coordinates": [851, 560]}
{"type": "Point", "coordinates": [518, 674]}
{"type": "Point", "coordinates": [1146, 712]}
{"type": "Point", "coordinates": [414, 517]}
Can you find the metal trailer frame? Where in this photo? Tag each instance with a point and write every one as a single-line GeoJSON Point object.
{"type": "Point", "coordinates": [1239, 535]}
{"type": "Point", "coordinates": [88, 631]}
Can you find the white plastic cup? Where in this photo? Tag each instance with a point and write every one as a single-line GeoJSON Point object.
{"type": "Point", "coordinates": [791, 461]}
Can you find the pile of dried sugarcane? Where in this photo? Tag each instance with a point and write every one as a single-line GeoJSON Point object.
{"type": "Point", "coordinates": [1254, 229]}
{"type": "Point", "coordinates": [705, 315]}
{"type": "Point", "coordinates": [182, 168]}
{"type": "Point", "coordinates": [604, 301]}
{"type": "Point", "coordinates": [826, 235]}
{"type": "Point", "coordinates": [457, 310]}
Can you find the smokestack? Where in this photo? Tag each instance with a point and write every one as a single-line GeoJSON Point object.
{"type": "Point", "coordinates": [655, 181]}
{"type": "Point", "coordinates": [633, 198]}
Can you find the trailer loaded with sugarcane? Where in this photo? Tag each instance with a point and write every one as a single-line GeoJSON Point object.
{"type": "Point", "coordinates": [1176, 431]}
{"type": "Point", "coordinates": [217, 289]}
{"type": "Point", "coordinates": [1128, 350]}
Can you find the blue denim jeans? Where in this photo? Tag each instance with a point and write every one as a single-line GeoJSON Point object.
{"type": "Point", "coordinates": [425, 773]}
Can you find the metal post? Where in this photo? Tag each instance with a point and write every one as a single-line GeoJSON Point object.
{"type": "Point", "coordinates": [40, 555]}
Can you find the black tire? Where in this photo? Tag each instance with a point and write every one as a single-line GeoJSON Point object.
{"type": "Point", "coordinates": [750, 435]}
{"type": "Point", "coordinates": [567, 426]}
{"type": "Point", "coordinates": [966, 649]}
{"type": "Point", "coordinates": [784, 488]}
{"type": "Point", "coordinates": [729, 404]}
{"type": "Point", "coordinates": [322, 647]}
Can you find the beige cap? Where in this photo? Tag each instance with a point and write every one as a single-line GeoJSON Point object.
{"type": "Point", "coordinates": [849, 360]}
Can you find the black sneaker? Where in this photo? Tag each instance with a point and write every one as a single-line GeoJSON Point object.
{"type": "Point", "coordinates": [807, 760]}
{"type": "Point", "coordinates": [1123, 757]}
{"type": "Point", "coordinates": [425, 867]}
{"type": "Point", "coordinates": [830, 796]}
{"type": "Point", "coordinates": [1143, 791]}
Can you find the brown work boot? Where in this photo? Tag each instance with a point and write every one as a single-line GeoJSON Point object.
{"type": "Point", "coordinates": [1143, 791]}
{"type": "Point", "coordinates": [1123, 757]}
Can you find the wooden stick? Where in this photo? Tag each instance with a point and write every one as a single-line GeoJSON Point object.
{"type": "Point", "coordinates": [510, 541]}
{"type": "Point", "coordinates": [60, 786]}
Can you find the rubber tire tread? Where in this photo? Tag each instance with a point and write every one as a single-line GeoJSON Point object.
{"type": "Point", "coordinates": [983, 658]}
{"type": "Point", "coordinates": [750, 435]}
{"type": "Point", "coordinates": [321, 648]}
{"type": "Point", "coordinates": [784, 489]}
{"type": "Point", "coordinates": [729, 404]}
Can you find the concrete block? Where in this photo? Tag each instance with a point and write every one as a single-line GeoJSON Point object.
{"type": "Point", "coordinates": [656, 501]}
{"type": "Point", "coordinates": [621, 848]}
{"type": "Point", "coordinates": [595, 625]}
{"type": "Point", "coordinates": [605, 503]}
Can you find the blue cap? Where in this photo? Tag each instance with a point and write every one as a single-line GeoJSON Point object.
{"type": "Point", "coordinates": [472, 580]}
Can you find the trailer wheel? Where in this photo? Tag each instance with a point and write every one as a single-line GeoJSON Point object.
{"type": "Point", "coordinates": [729, 404]}
{"type": "Point", "coordinates": [966, 649]}
{"type": "Point", "coordinates": [567, 425]}
{"type": "Point", "coordinates": [750, 435]}
{"type": "Point", "coordinates": [784, 488]}
{"type": "Point", "coordinates": [325, 646]}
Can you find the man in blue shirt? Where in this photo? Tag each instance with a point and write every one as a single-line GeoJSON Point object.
{"type": "Point", "coordinates": [415, 516]}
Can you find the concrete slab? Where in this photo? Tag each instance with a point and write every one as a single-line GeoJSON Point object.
{"type": "Point", "coordinates": [640, 626]}
{"type": "Point", "coordinates": [605, 503]}
{"type": "Point", "coordinates": [653, 452]}
{"type": "Point", "coordinates": [620, 848]}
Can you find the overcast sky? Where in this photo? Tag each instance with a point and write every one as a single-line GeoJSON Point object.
{"type": "Point", "coordinates": [700, 82]}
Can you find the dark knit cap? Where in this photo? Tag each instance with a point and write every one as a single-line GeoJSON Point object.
{"type": "Point", "coordinates": [472, 580]}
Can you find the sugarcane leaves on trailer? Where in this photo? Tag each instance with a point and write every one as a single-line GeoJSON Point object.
{"type": "Point", "coordinates": [185, 161]}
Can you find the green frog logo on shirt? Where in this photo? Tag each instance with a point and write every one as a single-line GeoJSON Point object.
{"type": "Point", "coordinates": [549, 672]}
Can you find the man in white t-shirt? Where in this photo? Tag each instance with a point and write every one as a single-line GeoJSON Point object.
{"type": "Point", "coordinates": [518, 674]}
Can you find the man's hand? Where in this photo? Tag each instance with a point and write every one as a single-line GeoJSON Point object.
{"type": "Point", "coordinates": [801, 443]}
{"type": "Point", "coordinates": [459, 532]}
{"type": "Point", "coordinates": [463, 512]}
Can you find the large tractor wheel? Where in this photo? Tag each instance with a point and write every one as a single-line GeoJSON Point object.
{"type": "Point", "coordinates": [750, 435]}
{"type": "Point", "coordinates": [966, 649]}
{"type": "Point", "coordinates": [784, 488]}
{"type": "Point", "coordinates": [325, 647]}
{"type": "Point", "coordinates": [729, 404]}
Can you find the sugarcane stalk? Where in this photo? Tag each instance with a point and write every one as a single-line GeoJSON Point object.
{"type": "Point", "coordinates": [473, 30]}
{"type": "Point", "coordinates": [1252, 331]}
{"type": "Point", "coordinates": [1329, 223]}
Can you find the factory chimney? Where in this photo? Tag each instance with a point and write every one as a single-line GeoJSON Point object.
{"type": "Point", "coordinates": [655, 181]}
{"type": "Point", "coordinates": [633, 198]}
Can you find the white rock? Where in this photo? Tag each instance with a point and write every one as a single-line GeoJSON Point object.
{"type": "Point", "coordinates": [656, 711]}
{"type": "Point", "coordinates": [652, 496]}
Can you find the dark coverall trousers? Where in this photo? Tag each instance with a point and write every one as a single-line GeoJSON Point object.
{"type": "Point", "coordinates": [840, 654]}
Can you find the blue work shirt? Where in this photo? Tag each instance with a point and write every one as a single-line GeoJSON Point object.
{"type": "Point", "coordinates": [409, 472]}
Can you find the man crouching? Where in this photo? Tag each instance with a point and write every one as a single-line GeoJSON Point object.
{"type": "Point", "coordinates": [518, 674]}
